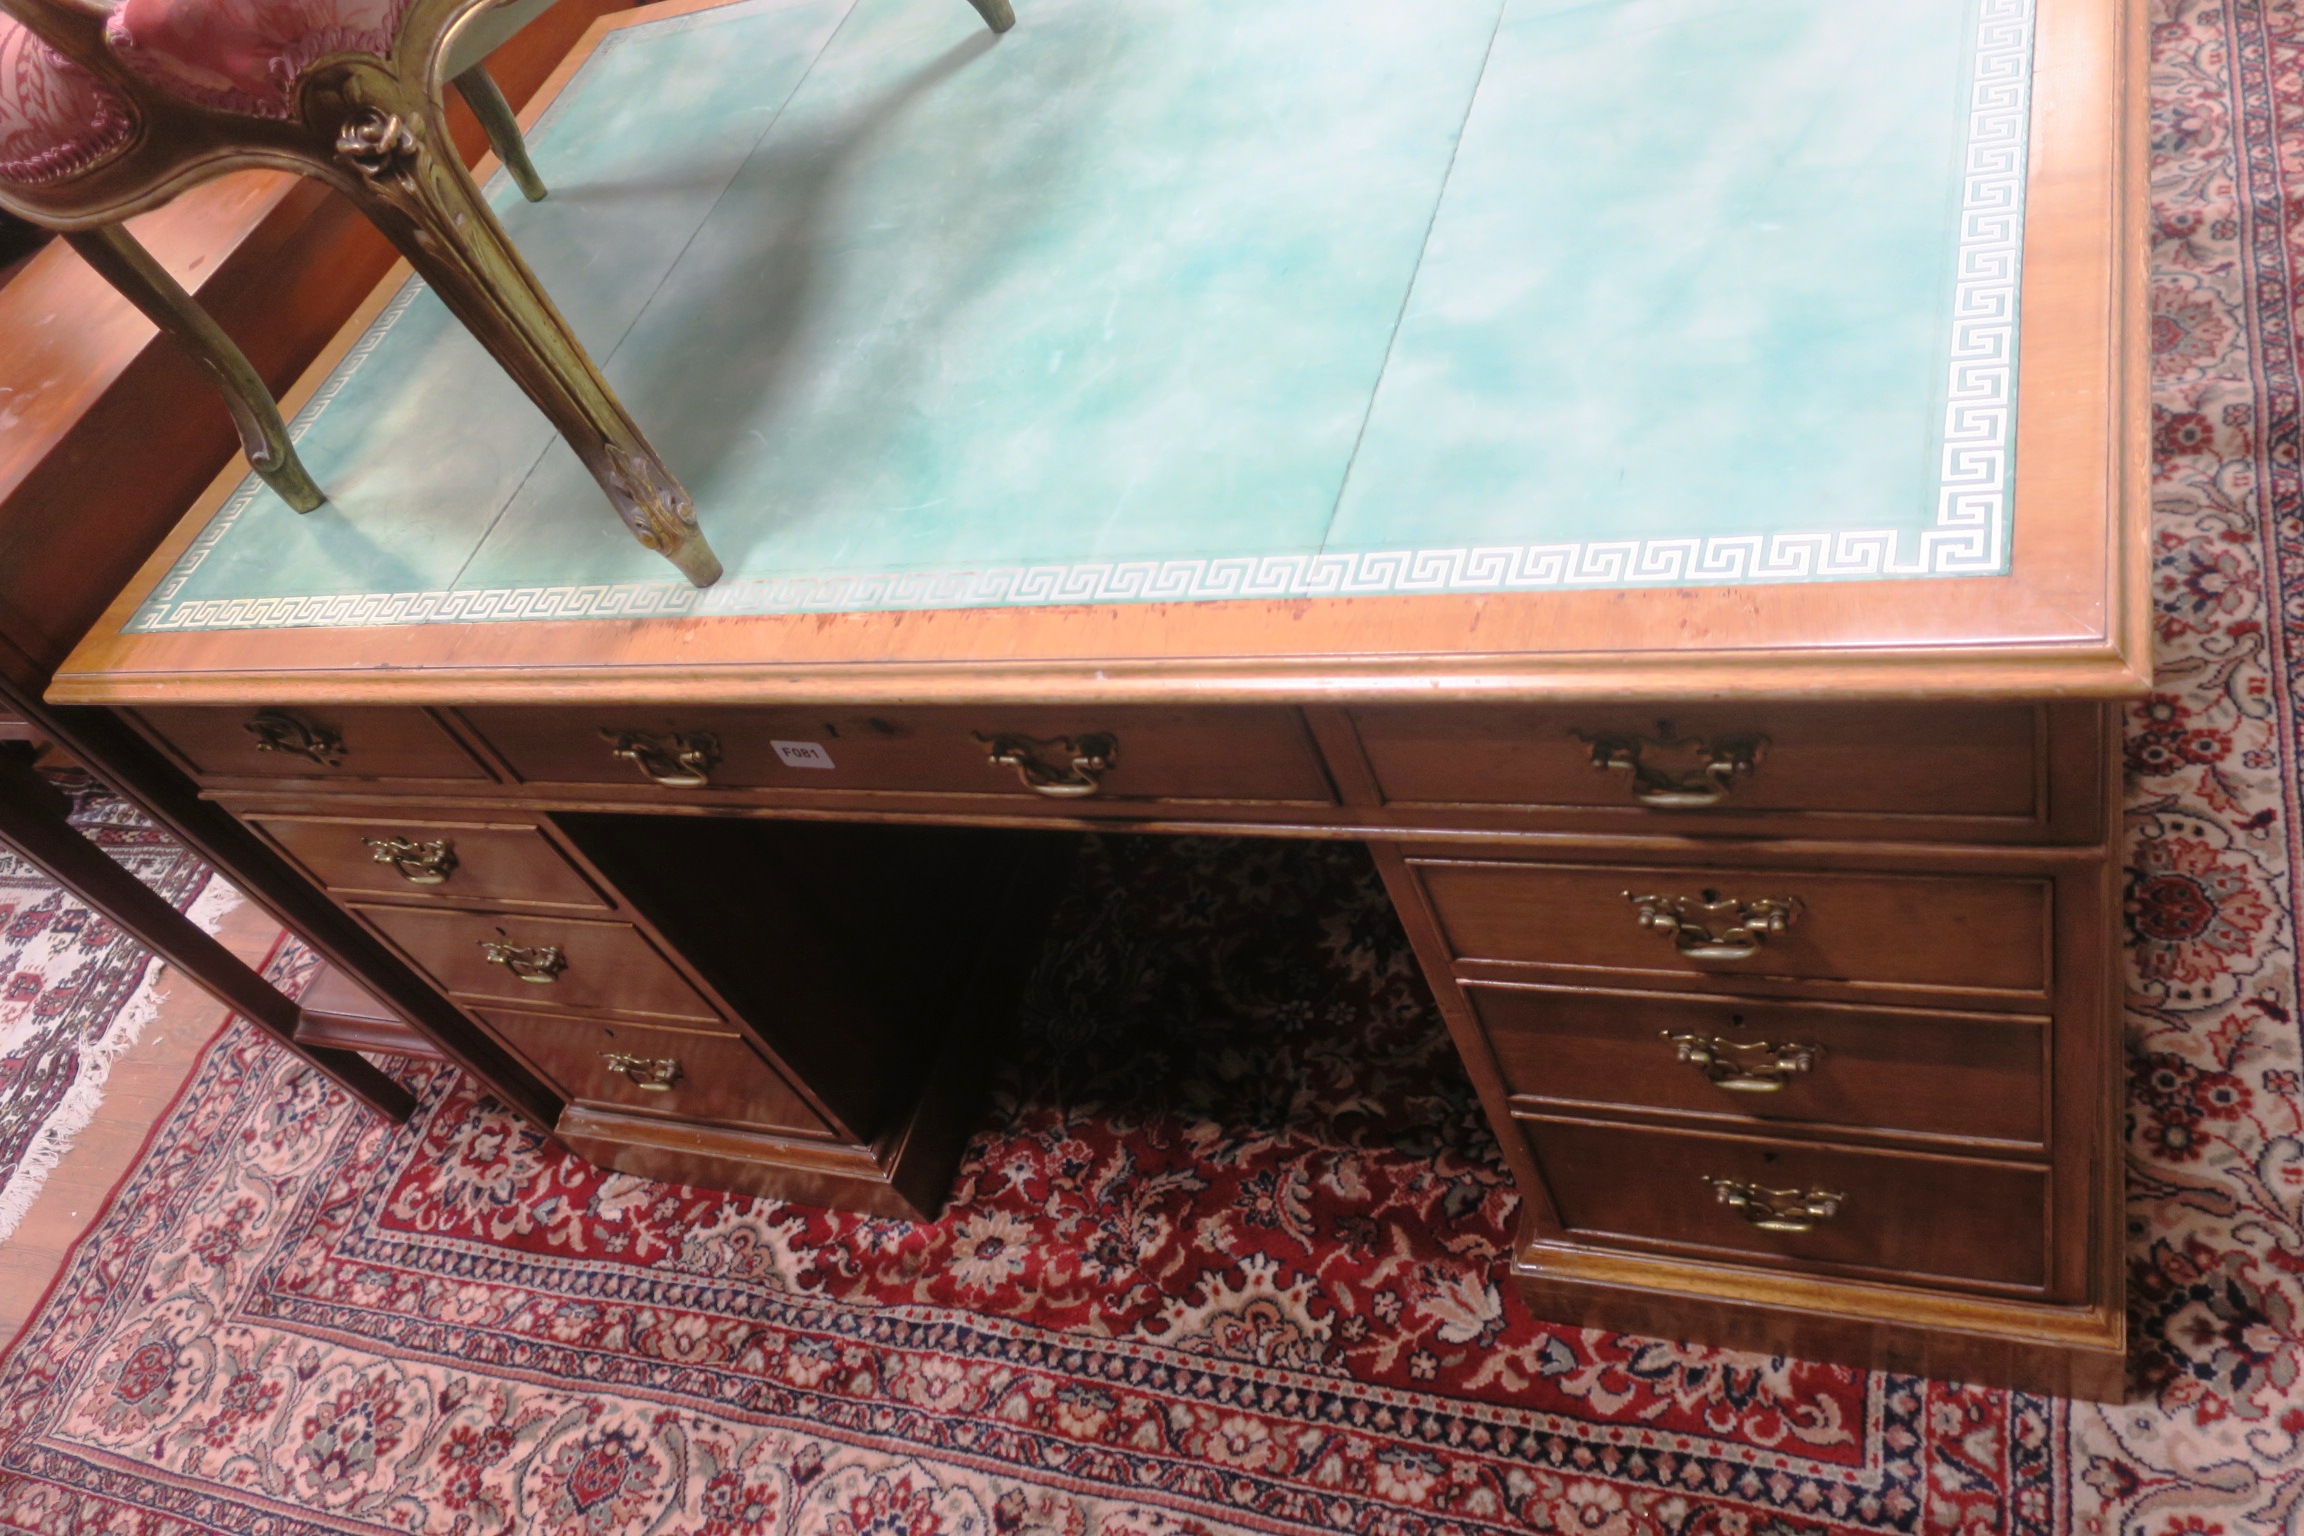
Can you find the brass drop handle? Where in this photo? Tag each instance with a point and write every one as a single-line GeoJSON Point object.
{"type": "Point", "coordinates": [1710, 926]}
{"type": "Point", "coordinates": [276, 730]}
{"type": "Point", "coordinates": [649, 1074]}
{"type": "Point", "coordinates": [1777, 1210]}
{"type": "Point", "coordinates": [674, 759]}
{"type": "Point", "coordinates": [539, 963]}
{"type": "Point", "coordinates": [429, 863]}
{"type": "Point", "coordinates": [1718, 761]}
{"type": "Point", "coordinates": [1060, 767]}
{"type": "Point", "coordinates": [1741, 1066]}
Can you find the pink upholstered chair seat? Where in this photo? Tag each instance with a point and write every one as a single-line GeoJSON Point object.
{"type": "Point", "coordinates": [245, 55]}
{"type": "Point", "coordinates": [56, 119]}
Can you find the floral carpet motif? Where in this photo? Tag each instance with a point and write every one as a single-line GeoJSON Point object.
{"type": "Point", "coordinates": [72, 992]}
{"type": "Point", "coordinates": [1226, 1256]}
{"type": "Point", "coordinates": [2210, 1442]}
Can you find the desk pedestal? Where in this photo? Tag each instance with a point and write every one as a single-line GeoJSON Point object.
{"type": "Point", "coordinates": [1796, 1022]}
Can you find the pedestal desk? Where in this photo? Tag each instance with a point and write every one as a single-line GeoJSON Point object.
{"type": "Point", "coordinates": [1668, 478]}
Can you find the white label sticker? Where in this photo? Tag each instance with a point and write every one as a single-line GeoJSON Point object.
{"type": "Point", "coordinates": [802, 754]}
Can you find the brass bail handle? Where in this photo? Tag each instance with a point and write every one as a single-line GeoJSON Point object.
{"type": "Point", "coordinates": [649, 1074]}
{"type": "Point", "coordinates": [1744, 1066]}
{"type": "Point", "coordinates": [276, 730]}
{"type": "Point", "coordinates": [1719, 761]}
{"type": "Point", "coordinates": [538, 963]}
{"type": "Point", "coordinates": [427, 863]}
{"type": "Point", "coordinates": [674, 759]}
{"type": "Point", "coordinates": [1060, 767]}
{"type": "Point", "coordinates": [1710, 926]}
{"type": "Point", "coordinates": [1777, 1210]}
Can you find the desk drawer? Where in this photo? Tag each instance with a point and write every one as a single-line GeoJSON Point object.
{"type": "Point", "coordinates": [1942, 1074]}
{"type": "Point", "coordinates": [1668, 763]}
{"type": "Point", "coordinates": [1941, 933]}
{"type": "Point", "coordinates": [572, 963]}
{"type": "Point", "coordinates": [1070, 758]}
{"type": "Point", "coordinates": [319, 743]}
{"type": "Point", "coordinates": [1898, 1215]}
{"type": "Point", "coordinates": [674, 1073]}
{"type": "Point", "coordinates": [464, 860]}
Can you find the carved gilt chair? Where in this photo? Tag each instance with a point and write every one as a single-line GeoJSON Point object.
{"type": "Point", "coordinates": [109, 110]}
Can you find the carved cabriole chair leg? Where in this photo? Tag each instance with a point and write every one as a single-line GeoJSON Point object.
{"type": "Point", "coordinates": [429, 207]}
{"type": "Point", "coordinates": [478, 88]}
{"type": "Point", "coordinates": [127, 266]}
{"type": "Point", "coordinates": [148, 97]}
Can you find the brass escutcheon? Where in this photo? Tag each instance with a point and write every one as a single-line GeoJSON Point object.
{"type": "Point", "coordinates": [276, 730]}
{"type": "Point", "coordinates": [1710, 926]}
{"type": "Point", "coordinates": [539, 963]}
{"type": "Point", "coordinates": [674, 759]}
{"type": "Point", "coordinates": [419, 863]}
{"type": "Point", "coordinates": [1777, 1210]}
{"type": "Point", "coordinates": [1061, 767]}
{"type": "Point", "coordinates": [649, 1074]}
{"type": "Point", "coordinates": [1718, 760]}
{"type": "Point", "coordinates": [1755, 1066]}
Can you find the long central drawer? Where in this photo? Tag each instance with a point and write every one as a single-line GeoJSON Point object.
{"type": "Point", "coordinates": [1071, 757]}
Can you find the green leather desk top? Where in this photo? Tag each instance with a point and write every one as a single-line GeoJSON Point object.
{"type": "Point", "coordinates": [1178, 299]}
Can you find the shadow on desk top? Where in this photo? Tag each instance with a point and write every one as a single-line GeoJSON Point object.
{"type": "Point", "coordinates": [1538, 338]}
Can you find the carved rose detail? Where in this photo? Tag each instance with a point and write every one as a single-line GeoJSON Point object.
{"type": "Point", "coordinates": [374, 142]}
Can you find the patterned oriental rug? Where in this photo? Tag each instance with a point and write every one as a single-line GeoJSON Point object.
{"type": "Point", "coordinates": [1226, 1256]}
{"type": "Point", "coordinates": [73, 991]}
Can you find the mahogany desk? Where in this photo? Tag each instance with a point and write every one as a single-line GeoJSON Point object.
{"type": "Point", "coordinates": [1669, 478]}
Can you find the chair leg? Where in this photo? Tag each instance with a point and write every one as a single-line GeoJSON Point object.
{"type": "Point", "coordinates": [33, 824]}
{"type": "Point", "coordinates": [143, 282]}
{"type": "Point", "coordinates": [997, 14]}
{"type": "Point", "coordinates": [478, 88]}
{"type": "Point", "coordinates": [427, 205]}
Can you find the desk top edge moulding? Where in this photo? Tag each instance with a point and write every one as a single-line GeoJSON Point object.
{"type": "Point", "coordinates": [1351, 501]}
